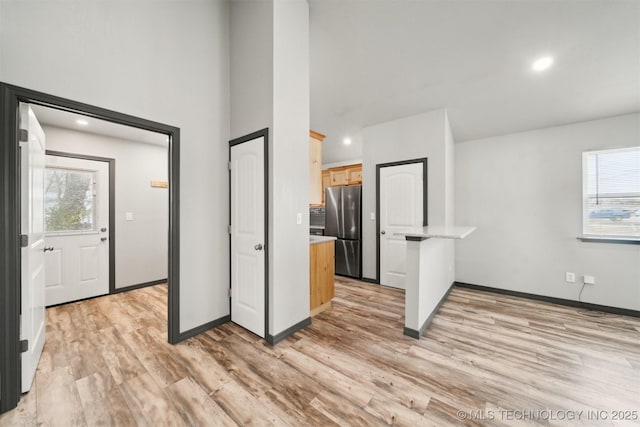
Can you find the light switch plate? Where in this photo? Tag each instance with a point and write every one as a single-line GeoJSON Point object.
{"type": "Point", "coordinates": [128, 216]}
{"type": "Point", "coordinates": [372, 216]}
{"type": "Point", "coordinates": [299, 218]}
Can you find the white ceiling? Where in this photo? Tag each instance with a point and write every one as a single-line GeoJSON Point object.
{"type": "Point", "coordinates": [379, 60]}
{"type": "Point", "coordinates": [64, 119]}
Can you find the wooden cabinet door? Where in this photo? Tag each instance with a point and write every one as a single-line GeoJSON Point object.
{"type": "Point", "coordinates": [355, 175]}
{"type": "Point", "coordinates": [339, 177]}
{"type": "Point", "coordinates": [315, 172]}
{"type": "Point", "coordinates": [326, 182]}
{"type": "Point", "coordinates": [322, 273]}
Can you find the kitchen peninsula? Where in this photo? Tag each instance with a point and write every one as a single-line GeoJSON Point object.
{"type": "Point", "coordinates": [427, 285]}
{"type": "Point", "coordinates": [321, 273]}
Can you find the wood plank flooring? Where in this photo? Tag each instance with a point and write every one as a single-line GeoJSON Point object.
{"type": "Point", "coordinates": [106, 362]}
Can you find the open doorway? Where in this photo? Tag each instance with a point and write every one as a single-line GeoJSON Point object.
{"type": "Point", "coordinates": [106, 204]}
{"type": "Point", "coordinates": [11, 239]}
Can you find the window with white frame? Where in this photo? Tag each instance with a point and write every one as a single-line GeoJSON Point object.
{"type": "Point", "coordinates": [611, 193]}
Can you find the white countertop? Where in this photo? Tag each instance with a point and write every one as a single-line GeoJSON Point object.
{"type": "Point", "coordinates": [320, 239]}
{"type": "Point", "coordinates": [439, 232]}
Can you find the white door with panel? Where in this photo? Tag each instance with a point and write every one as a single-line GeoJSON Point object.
{"type": "Point", "coordinates": [401, 210]}
{"type": "Point", "coordinates": [248, 236]}
{"type": "Point", "coordinates": [76, 224]}
{"type": "Point", "coordinates": [32, 275]}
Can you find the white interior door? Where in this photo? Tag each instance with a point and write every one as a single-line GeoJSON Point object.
{"type": "Point", "coordinates": [401, 210]}
{"type": "Point", "coordinates": [248, 236]}
{"type": "Point", "coordinates": [76, 224]}
{"type": "Point", "coordinates": [32, 318]}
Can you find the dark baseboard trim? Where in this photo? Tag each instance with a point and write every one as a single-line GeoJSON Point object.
{"type": "Point", "coordinates": [559, 301]}
{"type": "Point", "coordinates": [366, 279]}
{"type": "Point", "coordinates": [612, 240]}
{"type": "Point", "coordinates": [417, 334]}
{"type": "Point", "coordinates": [275, 339]}
{"type": "Point", "coordinates": [202, 328]}
{"type": "Point", "coordinates": [76, 300]}
{"type": "Point", "coordinates": [118, 290]}
{"type": "Point", "coordinates": [138, 286]}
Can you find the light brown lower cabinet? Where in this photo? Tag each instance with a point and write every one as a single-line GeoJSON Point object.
{"type": "Point", "coordinates": [321, 276]}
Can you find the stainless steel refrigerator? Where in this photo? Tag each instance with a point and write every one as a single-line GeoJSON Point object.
{"type": "Point", "coordinates": [343, 220]}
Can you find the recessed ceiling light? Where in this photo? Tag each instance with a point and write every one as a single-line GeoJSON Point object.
{"type": "Point", "coordinates": [82, 122]}
{"type": "Point", "coordinates": [542, 64]}
{"type": "Point", "coordinates": [346, 141]}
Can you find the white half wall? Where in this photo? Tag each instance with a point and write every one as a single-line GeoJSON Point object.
{"type": "Point", "coordinates": [160, 60]}
{"type": "Point", "coordinates": [524, 193]}
{"type": "Point", "coordinates": [141, 244]}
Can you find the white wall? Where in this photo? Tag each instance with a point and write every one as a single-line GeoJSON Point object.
{"type": "Point", "coordinates": [290, 173]}
{"type": "Point", "coordinates": [270, 88]}
{"type": "Point", "coordinates": [141, 244]}
{"type": "Point", "coordinates": [524, 193]}
{"type": "Point", "coordinates": [160, 60]}
{"type": "Point", "coordinates": [251, 59]}
{"type": "Point", "coordinates": [413, 137]}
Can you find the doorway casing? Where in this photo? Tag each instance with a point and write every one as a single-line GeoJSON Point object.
{"type": "Point", "coordinates": [10, 98]}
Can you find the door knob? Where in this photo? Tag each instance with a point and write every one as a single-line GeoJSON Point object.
{"type": "Point", "coordinates": [258, 247]}
{"type": "Point", "coordinates": [49, 248]}
{"type": "Point", "coordinates": [103, 239]}
{"type": "Point", "coordinates": [103, 229]}
{"type": "Point", "coordinates": [383, 232]}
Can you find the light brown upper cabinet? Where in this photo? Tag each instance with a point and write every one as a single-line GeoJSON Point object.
{"type": "Point", "coordinates": [339, 176]}
{"type": "Point", "coordinates": [345, 175]}
{"type": "Point", "coordinates": [355, 174]}
{"type": "Point", "coordinates": [315, 168]}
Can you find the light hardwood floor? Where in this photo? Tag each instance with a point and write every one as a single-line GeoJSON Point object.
{"type": "Point", "coordinates": [107, 362]}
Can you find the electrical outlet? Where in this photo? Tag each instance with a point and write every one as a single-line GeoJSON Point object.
{"type": "Point", "coordinates": [372, 216]}
{"type": "Point", "coordinates": [589, 280]}
{"type": "Point", "coordinates": [570, 277]}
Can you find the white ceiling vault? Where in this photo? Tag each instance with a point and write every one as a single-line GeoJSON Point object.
{"type": "Point", "coordinates": [379, 60]}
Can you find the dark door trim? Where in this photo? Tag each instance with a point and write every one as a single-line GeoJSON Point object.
{"type": "Point", "coordinates": [10, 98]}
{"type": "Point", "coordinates": [112, 207]}
{"type": "Point", "coordinates": [425, 203]}
{"type": "Point", "coordinates": [264, 133]}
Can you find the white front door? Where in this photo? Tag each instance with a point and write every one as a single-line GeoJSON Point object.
{"type": "Point", "coordinates": [32, 256]}
{"type": "Point", "coordinates": [76, 223]}
{"type": "Point", "coordinates": [248, 236]}
{"type": "Point", "coordinates": [401, 210]}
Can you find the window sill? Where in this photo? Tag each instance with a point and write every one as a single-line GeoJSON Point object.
{"type": "Point", "coordinates": [610, 239]}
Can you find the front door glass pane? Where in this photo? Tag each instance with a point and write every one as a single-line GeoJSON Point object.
{"type": "Point", "coordinates": [69, 200]}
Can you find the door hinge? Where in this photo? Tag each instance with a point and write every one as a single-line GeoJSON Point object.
{"type": "Point", "coordinates": [24, 240]}
{"type": "Point", "coordinates": [229, 229]}
{"type": "Point", "coordinates": [229, 165]}
{"type": "Point", "coordinates": [23, 135]}
{"type": "Point", "coordinates": [229, 292]}
{"type": "Point", "coordinates": [24, 346]}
